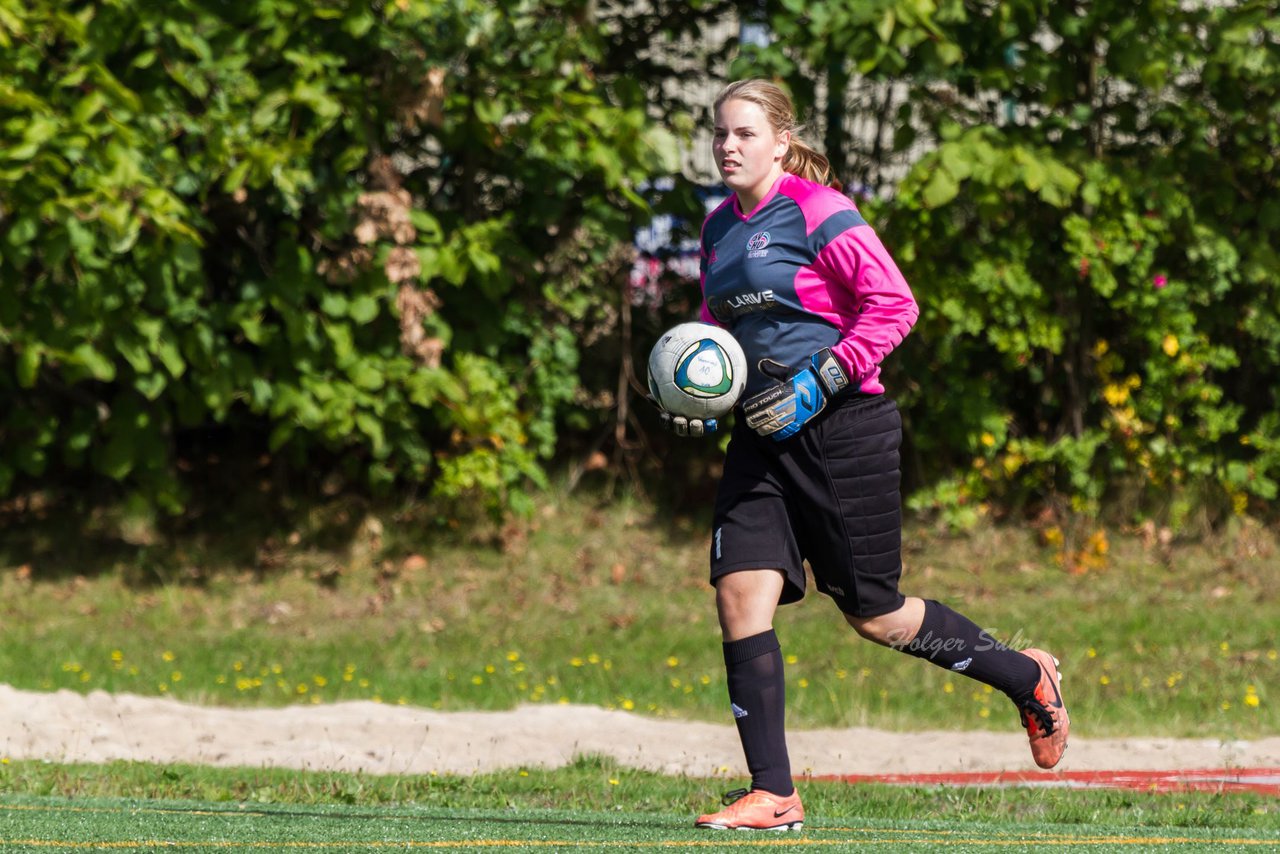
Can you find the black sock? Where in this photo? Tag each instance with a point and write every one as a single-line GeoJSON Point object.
{"type": "Point", "coordinates": [953, 641]}
{"type": "Point", "coordinates": [758, 697]}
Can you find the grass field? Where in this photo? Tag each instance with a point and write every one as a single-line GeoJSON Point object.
{"type": "Point", "coordinates": [610, 607]}
{"type": "Point", "coordinates": [150, 826]}
{"type": "Point", "coordinates": [591, 805]}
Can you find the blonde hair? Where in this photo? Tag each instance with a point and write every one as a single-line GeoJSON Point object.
{"type": "Point", "coordinates": [801, 159]}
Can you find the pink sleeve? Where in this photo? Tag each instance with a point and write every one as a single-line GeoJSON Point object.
{"type": "Point", "coordinates": [884, 308]}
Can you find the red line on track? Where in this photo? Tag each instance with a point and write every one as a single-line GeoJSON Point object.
{"type": "Point", "coordinates": [1262, 780]}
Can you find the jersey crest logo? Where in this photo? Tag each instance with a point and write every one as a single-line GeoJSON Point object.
{"type": "Point", "coordinates": [758, 241]}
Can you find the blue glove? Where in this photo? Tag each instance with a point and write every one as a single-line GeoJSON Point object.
{"type": "Point", "coordinates": [781, 411]}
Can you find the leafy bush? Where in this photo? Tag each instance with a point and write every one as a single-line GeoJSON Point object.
{"type": "Point", "coordinates": [335, 230]}
{"type": "Point", "coordinates": [1092, 239]}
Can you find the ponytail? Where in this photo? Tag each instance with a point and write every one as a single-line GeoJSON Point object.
{"type": "Point", "coordinates": [807, 162]}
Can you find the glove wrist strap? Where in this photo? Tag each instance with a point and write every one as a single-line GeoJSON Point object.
{"type": "Point", "coordinates": [830, 373]}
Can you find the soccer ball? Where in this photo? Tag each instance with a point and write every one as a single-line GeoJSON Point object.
{"type": "Point", "coordinates": [697, 370]}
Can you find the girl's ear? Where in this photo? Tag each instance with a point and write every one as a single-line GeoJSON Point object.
{"type": "Point", "coordinates": [783, 144]}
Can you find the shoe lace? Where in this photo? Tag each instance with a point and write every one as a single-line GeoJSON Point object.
{"type": "Point", "coordinates": [1033, 708]}
{"type": "Point", "coordinates": [733, 796]}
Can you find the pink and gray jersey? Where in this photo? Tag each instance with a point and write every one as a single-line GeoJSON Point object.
{"type": "Point", "coordinates": [802, 272]}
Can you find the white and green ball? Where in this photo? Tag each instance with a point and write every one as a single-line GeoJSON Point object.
{"type": "Point", "coordinates": [697, 370]}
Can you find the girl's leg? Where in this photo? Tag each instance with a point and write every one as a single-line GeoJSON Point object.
{"type": "Point", "coordinates": [932, 631]}
{"type": "Point", "coordinates": [745, 602]}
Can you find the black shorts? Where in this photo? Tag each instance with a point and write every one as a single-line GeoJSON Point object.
{"type": "Point", "coordinates": [828, 495]}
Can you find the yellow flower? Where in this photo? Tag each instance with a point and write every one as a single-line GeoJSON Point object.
{"type": "Point", "coordinates": [513, 656]}
{"type": "Point", "coordinates": [988, 440]}
{"type": "Point", "coordinates": [1170, 345]}
{"type": "Point", "coordinates": [613, 781]}
{"type": "Point", "coordinates": [1098, 542]}
{"type": "Point", "coordinates": [672, 661]}
{"type": "Point", "coordinates": [1104, 680]}
{"type": "Point", "coordinates": [628, 704]}
{"type": "Point", "coordinates": [803, 683]}
{"type": "Point", "coordinates": [1115, 394]}
{"type": "Point", "coordinates": [791, 659]}
{"type": "Point", "coordinates": [1251, 700]}
{"type": "Point", "coordinates": [167, 655]}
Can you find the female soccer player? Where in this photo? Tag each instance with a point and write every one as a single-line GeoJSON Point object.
{"type": "Point", "coordinates": [790, 267]}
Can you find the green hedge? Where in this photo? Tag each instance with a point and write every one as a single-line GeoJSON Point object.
{"type": "Point", "coordinates": [368, 234]}
{"type": "Point", "coordinates": [381, 239]}
{"type": "Point", "coordinates": [1093, 239]}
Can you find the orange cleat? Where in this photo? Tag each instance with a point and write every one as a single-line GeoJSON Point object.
{"type": "Point", "coordinates": [1045, 715]}
{"type": "Point", "coordinates": [756, 811]}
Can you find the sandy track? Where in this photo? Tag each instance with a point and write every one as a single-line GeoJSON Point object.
{"type": "Point", "coordinates": [380, 739]}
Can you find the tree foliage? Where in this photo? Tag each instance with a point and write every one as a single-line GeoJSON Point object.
{"type": "Point", "coordinates": [389, 239]}
{"type": "Point", "coordinates": [1092, 237]}
{"type": "Point", "coordinates": [367, 235]}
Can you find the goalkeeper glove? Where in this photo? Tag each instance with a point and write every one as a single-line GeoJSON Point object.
{"type": "Point", "coordinates": [799, 396]}
{"type": "Point", "coordinates": [682, 426]}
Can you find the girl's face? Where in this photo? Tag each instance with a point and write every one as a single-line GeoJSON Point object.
{"type": "Point", "coordinates": [747, 151]}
